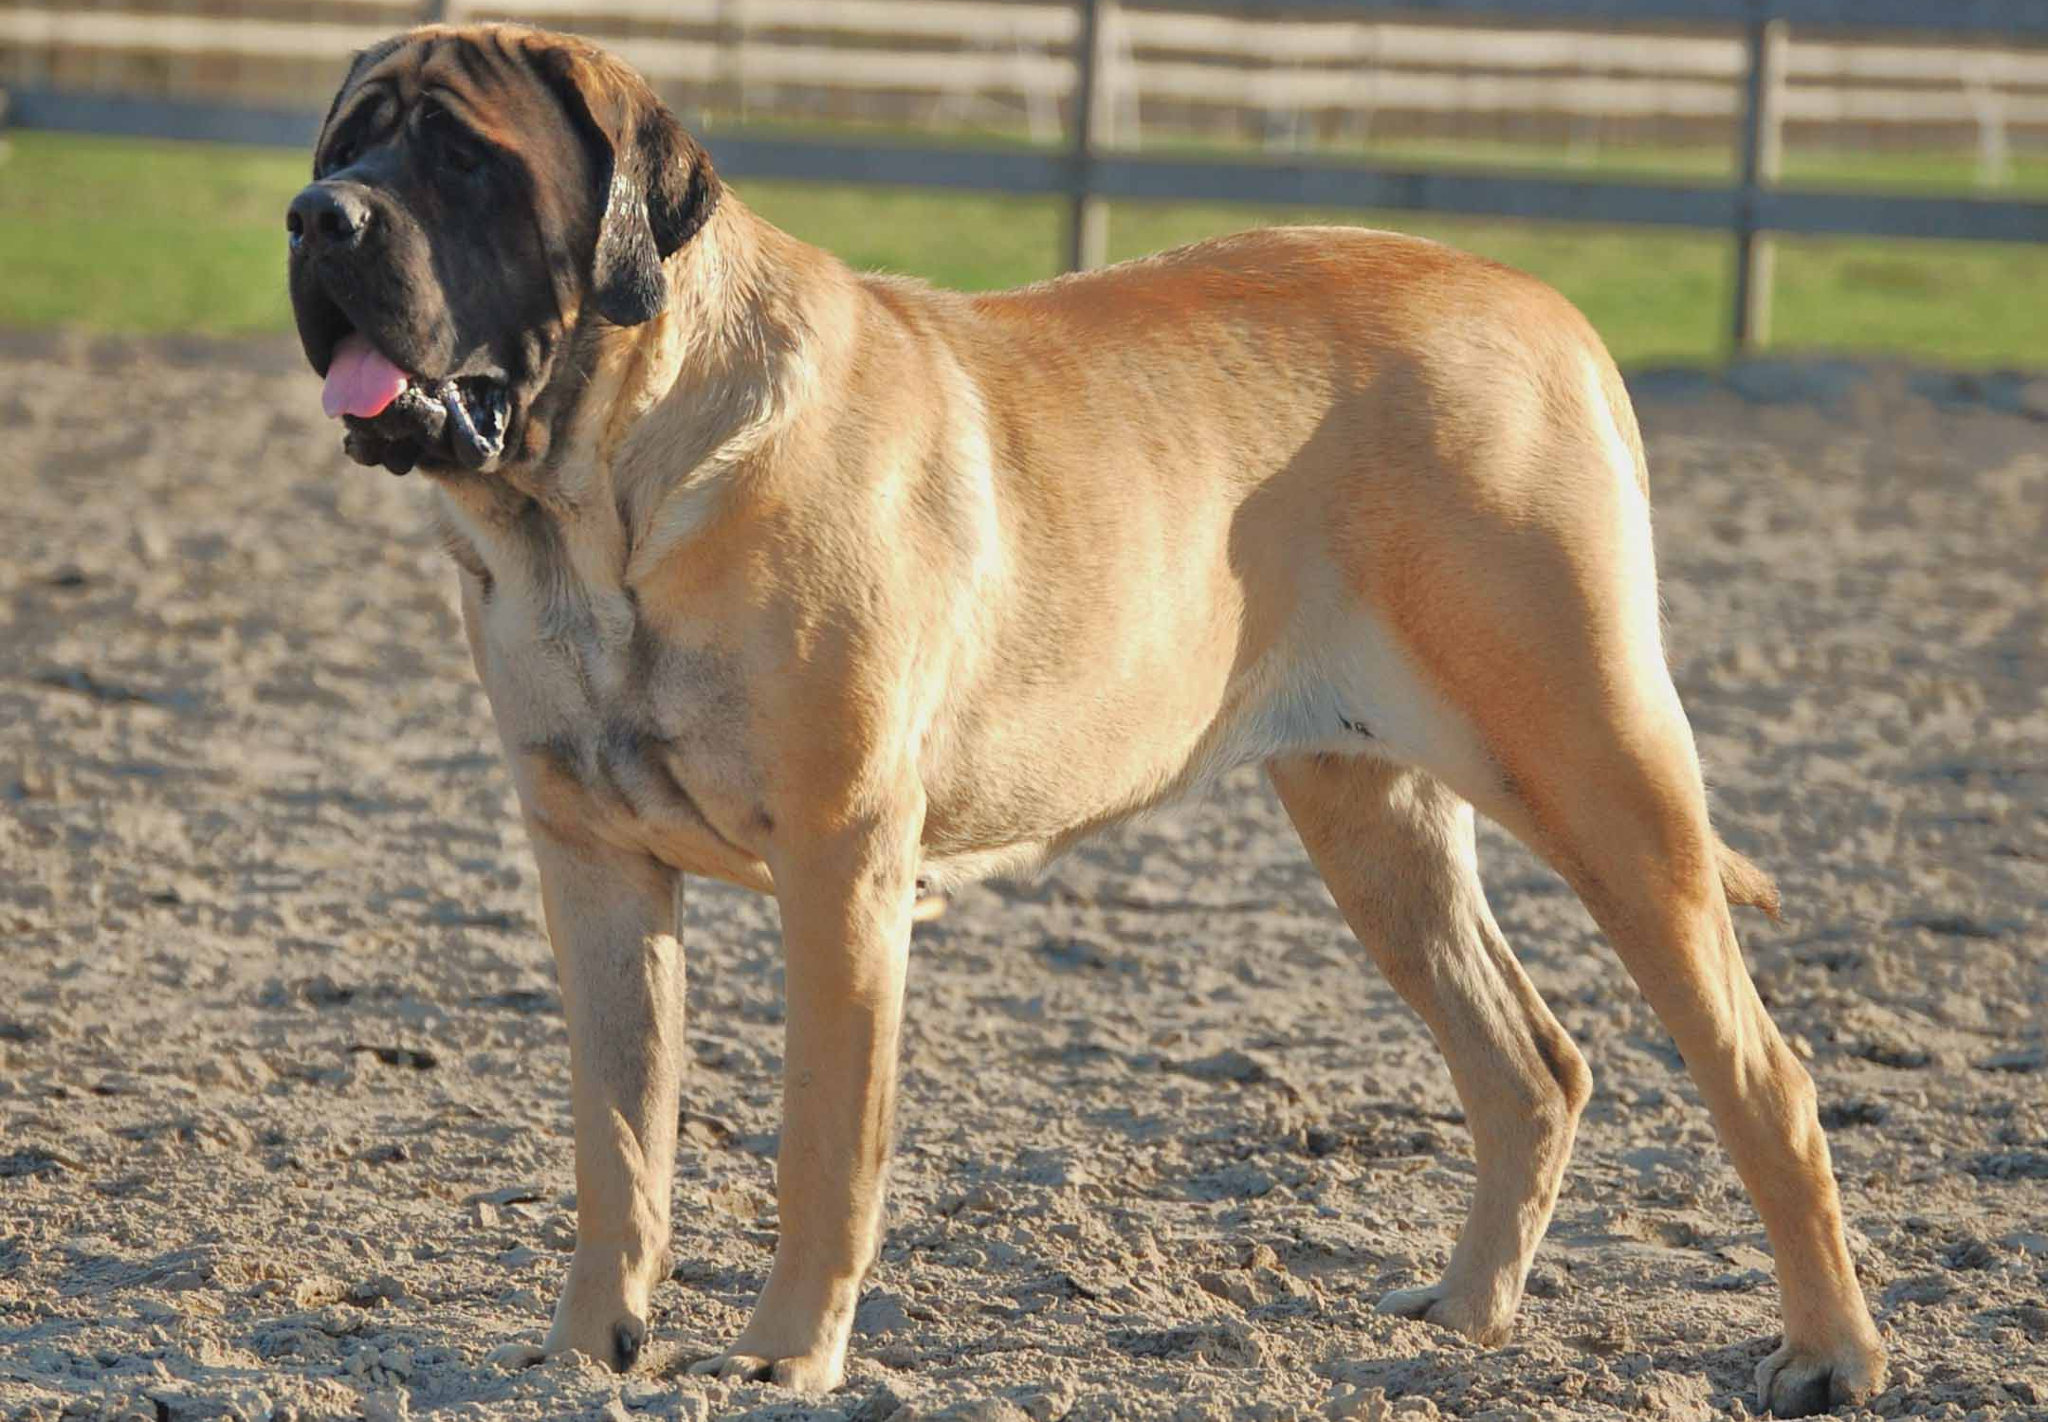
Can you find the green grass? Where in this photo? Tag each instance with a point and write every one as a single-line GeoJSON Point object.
{"type": "Point", "coordinates": [121, 235]}
{"type": "Point", "coordinates": [129, 236]}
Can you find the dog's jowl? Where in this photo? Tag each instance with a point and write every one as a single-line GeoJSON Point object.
{"type": "Point", "coordinates": [828, 584]}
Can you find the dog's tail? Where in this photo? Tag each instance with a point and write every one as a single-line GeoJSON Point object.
{"type": "Point", "coordinates": [1744, 883]}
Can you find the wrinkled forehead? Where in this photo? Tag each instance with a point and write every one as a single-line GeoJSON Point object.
{"type": "Point", "coordinates": [487, 77]}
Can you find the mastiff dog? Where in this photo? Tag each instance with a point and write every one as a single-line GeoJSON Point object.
{"type": "Point", "coordinates": [835, 585]}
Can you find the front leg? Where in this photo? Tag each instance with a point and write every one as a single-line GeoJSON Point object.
{"type": "Point", "coordinates": [612, 920]}
{"type": "Point", "coordinates": [846, 898]}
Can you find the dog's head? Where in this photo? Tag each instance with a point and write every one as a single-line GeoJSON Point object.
{"type": "Point", "coordinates": [479, 195]}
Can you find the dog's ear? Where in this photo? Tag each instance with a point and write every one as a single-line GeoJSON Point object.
{"type": "Point", "coordinates": [654, 187]}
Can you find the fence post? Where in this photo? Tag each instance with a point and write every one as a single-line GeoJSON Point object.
{"type": "Point", "coordinates": [1763, 149]}
{"type": "Point", "coordinates": [725, 94]}
{"type": "Point", "coordinates": [1087, 214]}
{"type": "Point", "coordinates": [1994, 137]}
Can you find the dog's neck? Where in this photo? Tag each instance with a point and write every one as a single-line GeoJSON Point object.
{"type": "Point", "coordinates": [718, 376]}
{"type": "Point", "coordinates": [673, 412]}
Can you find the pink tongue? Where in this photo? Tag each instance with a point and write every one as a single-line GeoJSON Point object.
{"type": "Point", "coordinates": [360, 381]}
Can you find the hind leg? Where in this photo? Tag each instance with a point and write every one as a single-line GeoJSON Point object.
{"type": "Point", "coordinates": [1396, 849]}
{"type": "Point", "coordinates": [1623, 816]}
{"type": "Point", "coordinates": [1548, 657]}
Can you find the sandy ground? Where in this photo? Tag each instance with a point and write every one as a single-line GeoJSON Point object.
{"type": "Point", "coordinates": [283, 1118]}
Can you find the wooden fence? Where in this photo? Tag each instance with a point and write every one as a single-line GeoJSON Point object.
{"type": "Point", "coordinates": [963, 57]}
{"type": "Point", "coordinates": [1102, 66]}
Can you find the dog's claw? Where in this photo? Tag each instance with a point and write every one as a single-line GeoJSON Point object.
{"type": "Point", "coordinates": [629, 1335]}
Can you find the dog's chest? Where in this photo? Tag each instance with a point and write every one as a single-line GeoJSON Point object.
{"type": "Point", "coordinates": [617, 733]}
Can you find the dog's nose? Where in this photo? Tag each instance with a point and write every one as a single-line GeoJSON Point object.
{"type": "Point", "coordinates": [327, 215]}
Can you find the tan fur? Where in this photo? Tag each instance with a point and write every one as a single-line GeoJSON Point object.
{"type": "Point", "coordinates": [1747, 885]}
{"type": "Point", "coordinates": [843, 582]}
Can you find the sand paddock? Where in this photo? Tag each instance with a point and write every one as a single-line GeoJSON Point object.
{"type": "Point", "coordinates": [283, 1085]}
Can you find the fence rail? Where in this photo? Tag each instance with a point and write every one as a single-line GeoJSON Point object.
{"type": "Point", "coordinates": [1338, 59]}
{"type": "Point", "coordinates": [1350, 66]}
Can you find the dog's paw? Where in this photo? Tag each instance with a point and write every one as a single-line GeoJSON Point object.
{"type": "Point", "coordinates": [1483, 1321]}
{"type": "Point", "coordinates": [809, 1373]}
{"type": "Point", "coordinates": [1798, 1382]}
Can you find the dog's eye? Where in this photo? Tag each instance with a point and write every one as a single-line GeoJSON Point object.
{"type": "Point", "coordinates": [453, 144]}
{"type": "Point", "coordinates": [464, 154]}
{"type": "Point", "coordinates": [340, 154]}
